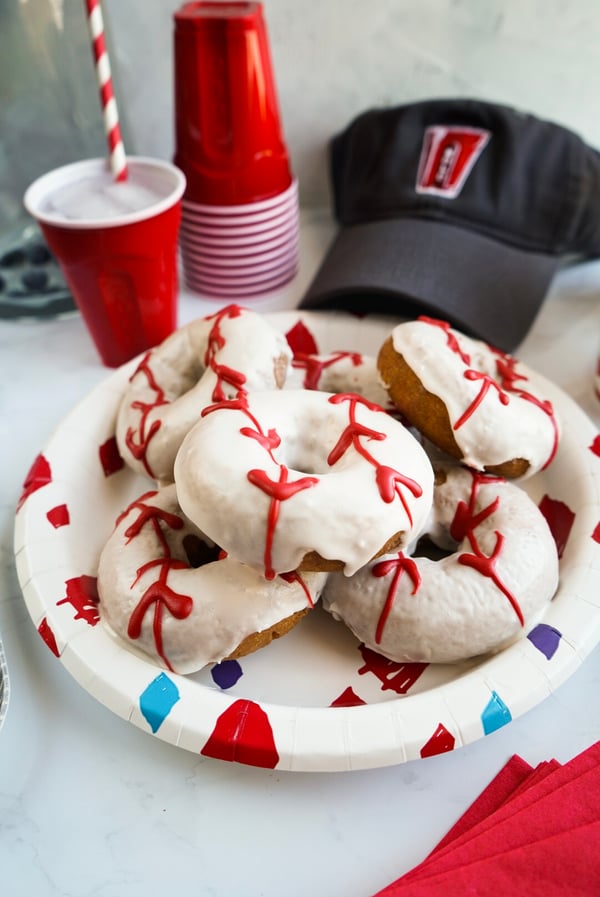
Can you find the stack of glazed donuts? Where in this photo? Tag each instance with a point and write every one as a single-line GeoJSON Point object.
{"type": "Point", "coordinates": [280, 480]}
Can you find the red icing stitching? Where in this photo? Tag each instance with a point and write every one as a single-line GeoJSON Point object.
{"type": "Point", "coordinates": [163, 598]}
{"type": "Point", "coordinates": [216, 342]}
{"type": "Point", "coordinates": [294, 576]}
{"type": "Point", "coordinates": [506, 368]}
{"type": "Point", "coordinates": [278, 491]}
{"type": "Point", "coordinates": [507, 379]}
{"type": "Point", "coordinates": [487, 383]}
{"type": "Point", "coordinates": [225, 375]}
{"type": "Point", "coordinates": [314, 365]}
{"type": "Point", "coordinates": [463, 526]}
{"type": "Point", "coordinates": [389, 481]}
{"type": "Point", "coordinates": [397, 566]}
{"type": "Point", "coordinates": [451, 339]}
{"type": "Point", "coordinates": [139, 448]}
{"type": "Point", "coordinates": [466, 521]}
{"type": "Point", "coordinates": [158, 593]}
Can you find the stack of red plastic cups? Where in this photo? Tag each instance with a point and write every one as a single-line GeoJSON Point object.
{"type": "Point", "coordinates": [240, 222]}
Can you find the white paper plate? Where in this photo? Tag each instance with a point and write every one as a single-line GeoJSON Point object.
{"type": "Point", "coordinates": [314, 700]}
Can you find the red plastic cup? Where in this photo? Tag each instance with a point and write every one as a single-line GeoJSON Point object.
{"type": "Point", "coordinates": [228, 136]}
{"type": "Point", "coordinates": [119, 263]}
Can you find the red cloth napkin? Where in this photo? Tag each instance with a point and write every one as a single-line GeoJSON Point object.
{"type": "Point", "coordinates": [533, 831]}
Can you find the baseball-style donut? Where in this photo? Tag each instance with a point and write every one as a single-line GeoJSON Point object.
{"type": "Point", "coordinates": [167, 592]}
{"type": "Point", "coordinates": [213, 358]}
{"type": "Point", "coordinates": [471, 400]}
{"type": "Point", "coordinates": [338, 372]}
{"type": "Point", "coordinates": [298, 479]}
{"type": "Point", "coordinates": [498, 573]}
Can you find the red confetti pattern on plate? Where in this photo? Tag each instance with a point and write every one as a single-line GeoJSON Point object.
{"type": "Point", "coordinates": [82, 595]}
{"type": "Point", "coordinates": [243, 734]}
{"type": "Point", "coordinates": [58, 516]}
{"type": "Point", "coordinates": [560, 520]}
{"type": "Point", "coordinates": [348, 698]}
{"type": "Point", "coordinates": [398, 677]}
{"type": "Point", "coordinates": [110, 459]}
{"type": "Point", "coordinates": [39, 475]}
{"type": "Point", "coordinates": [301, 341]}
{"type": "Point", "coordinates": [441, 741]}
{"type": "Point", "coordinates": [45, 630]}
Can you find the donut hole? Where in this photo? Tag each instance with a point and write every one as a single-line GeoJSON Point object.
{"type": "Point", "coordinates": [183, 380]}
{"type": "Point", "coordinates": [306, 452]}
{"type": "Point", "coordinates": [427, 548]}
{"type": "Point", "coordinates": [199, 551]}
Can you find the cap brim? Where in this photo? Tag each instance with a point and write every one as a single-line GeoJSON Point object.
{"type": "Point", "coordinates": [407, 267]}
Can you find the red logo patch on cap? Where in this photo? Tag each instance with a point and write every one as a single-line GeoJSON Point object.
{"type": "Point", "coordinates": [447, 157]}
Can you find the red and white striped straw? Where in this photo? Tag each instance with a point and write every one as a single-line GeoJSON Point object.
{"type": "Point", "coordinates": [112, 129]}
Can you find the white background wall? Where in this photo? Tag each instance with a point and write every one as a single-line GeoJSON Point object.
{"type": "Point", "coordinates": [332, 58]}
{"type": "Point", "coordinates": [336, 58]}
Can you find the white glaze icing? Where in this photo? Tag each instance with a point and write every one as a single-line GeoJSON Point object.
{"type": "Point", "coordinates": [338, 372]}
{"type": "Point", "coordinates": [144, 569]}
{"type": "Point", "coordinates": [416, 609]}
{"type": "Point", "coordinates": [337, 508]}
{"type": "Point", "coordinates": [495, 417]}
{"type": "Point", "coordinates": [211, 358]}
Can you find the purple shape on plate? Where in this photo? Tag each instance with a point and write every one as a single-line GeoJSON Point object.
{"type": "Point", "coordinates": [545, 638]}
{"type": "Point", "coordinates": [226, 673]}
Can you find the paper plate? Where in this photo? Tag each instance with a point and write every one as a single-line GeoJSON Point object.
{"type": "Point", "coordinates": [316, 699]}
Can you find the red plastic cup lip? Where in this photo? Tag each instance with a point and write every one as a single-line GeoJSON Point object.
{"type": "Point", "coordinates": [204, 13]}
{"type": "Point", "coordinates": [256, 181]}
{"type": "Point", "coordinates": [246, 208]}
{"type": "Point", "coordinates": [52, 180]}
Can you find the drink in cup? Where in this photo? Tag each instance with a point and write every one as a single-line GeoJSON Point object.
{"type": "Point", "coordinates": [116, 243]}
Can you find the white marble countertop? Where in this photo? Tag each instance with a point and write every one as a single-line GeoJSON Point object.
{"type": "Point", "coordinates": [91, 805]}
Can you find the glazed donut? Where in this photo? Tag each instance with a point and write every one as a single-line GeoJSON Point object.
{"type": "Point", "coordinates": [298, 479]}
{"type": "Point", "coordinates": [156, 597]}
{"type": "Point", "coordinates": [338, 372]}
{"type": "Point", "coordinates": [213, 358]}
{"type": "Point", "coordinates": [471, 400]}
{"type": "Point", "coordinates": [496, 582]}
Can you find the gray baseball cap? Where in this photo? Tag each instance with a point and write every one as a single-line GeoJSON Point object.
{"type": "Point", "coordinates": [457, 208]}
